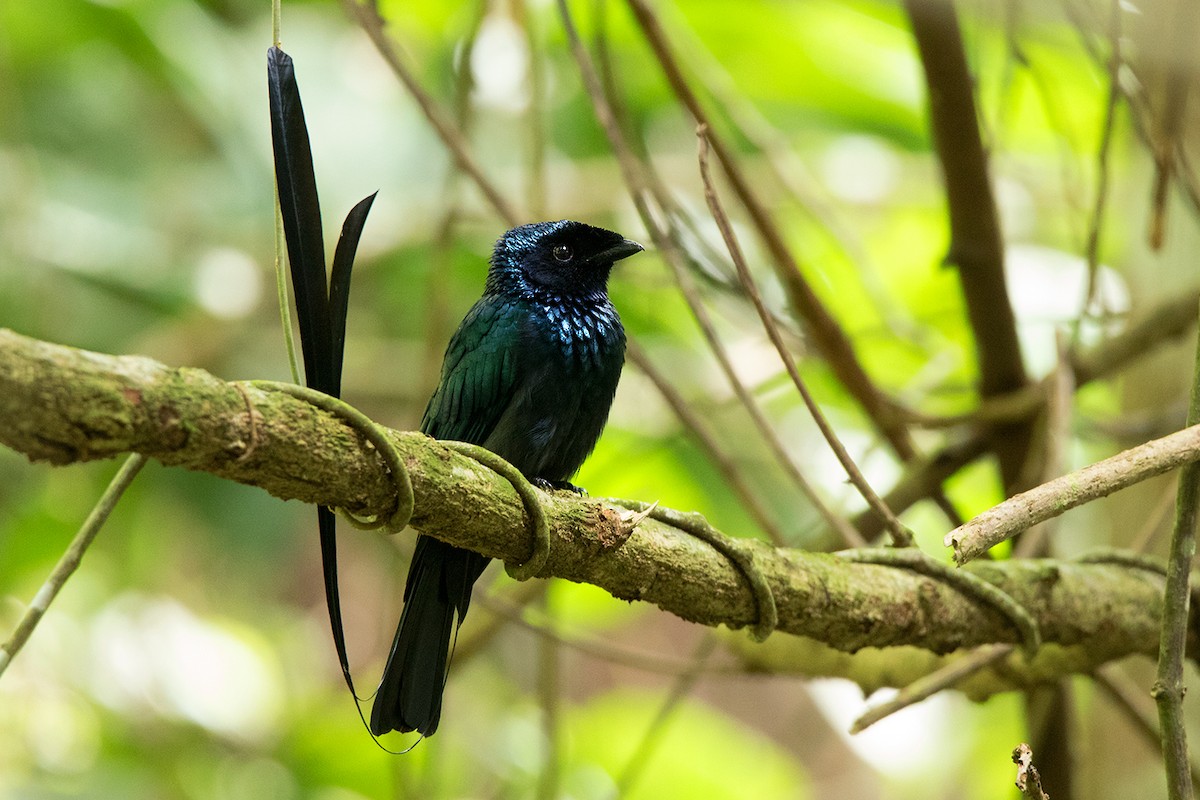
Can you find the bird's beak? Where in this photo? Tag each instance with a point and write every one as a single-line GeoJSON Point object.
{"type": "Point", "coordinates": [625, 249]}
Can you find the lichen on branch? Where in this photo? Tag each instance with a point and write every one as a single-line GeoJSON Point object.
{"type": "Point", "coordinates": [62, 405]}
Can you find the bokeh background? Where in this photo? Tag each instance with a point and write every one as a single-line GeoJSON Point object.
{"type": "Point", "coordinates": [190, 655]}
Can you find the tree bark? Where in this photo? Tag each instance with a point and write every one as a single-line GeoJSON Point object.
{"type": "Point", "coordinates": [62, 405]}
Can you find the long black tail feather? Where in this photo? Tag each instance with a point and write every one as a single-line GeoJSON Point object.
{"type": "Point", "coordinates": [301, 211]}
{"type": "Point", "coordinates": [436, 597]}
{"type": "Point", "coordinates": [339, 283]}
{"type": "Point", "coordinates": [321, 303]}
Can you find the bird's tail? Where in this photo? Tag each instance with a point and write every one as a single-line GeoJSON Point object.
{"type": "Point", "coordinates": [438, 589]}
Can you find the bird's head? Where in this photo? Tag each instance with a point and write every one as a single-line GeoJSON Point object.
{"type": "Point", "coordinates": [562, 258]}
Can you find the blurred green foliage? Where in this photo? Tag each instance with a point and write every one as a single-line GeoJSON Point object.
{"type": "Point", "coordinates": [189, 657]}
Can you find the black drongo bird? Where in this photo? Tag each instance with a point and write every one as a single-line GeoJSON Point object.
{"type": "Point", "coordinates": [530, 375]}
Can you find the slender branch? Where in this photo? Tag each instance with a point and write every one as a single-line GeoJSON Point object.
{"type": "Point", "coordinates": [63, 405]}
{"type": "Point", "coordinates": [1134, 701]}
{"type": "Point", "coordinates": [1167, 320]}
{"type": "Point", "coordinates": [281, 293]}
{"type": "Point", "coordinates": [1168, 685]}
{"type": "Point", "coordinates": [929, 685]}
{"type": "Point", "coordinates": [656, 731]}
{"type": "Point", "coordinates": [1135, 95]}
{"type": "Point", "coordinates": [901, 536]}
{"type": "Point", "coordinates": [923, 479]}
{"type": "Point", "coordinates": [1092, 249]}
{"type": "Point", "coordinates": [687, 287]}
{"type": "Point", "coordinates": [367, 16]}
{"type": "Point", "coordinates": [1056, 438]}
{"type": "Point", "coordinates": [677, 219]}
{"type": "Point", "coordinates": [1160, 324]}
{"type": "Point", "coordinates": [637, 179]}
{"type": "Point", "coordinates": [976, 247]}
{"type": "Point", "coordinates": [1055, 497]}
{"type": "Point", "coordinates": [69, 562]}
{"type": "Point", "coordinates": [700, 432]}
{"type": "Point", "coordinates": [825, 333]}
{"type": "Point", "coordinates": [549, 689]}
{"type": "Point", "coordinates": [1167, 129]}
{"type": "Point", "coordinates": [281, 282]}
{"type": "Point", "coordinates": [529, 619]}
{"type": "Point", "coordinates": [786, 168]}
{"type": "Point", "coordinates": [1171, 318]}
{"type": "Point", "coordinates": [1029, 782]}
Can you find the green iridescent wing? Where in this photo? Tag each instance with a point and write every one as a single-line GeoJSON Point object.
{"type": "Point", "coordinates": [479, 374]}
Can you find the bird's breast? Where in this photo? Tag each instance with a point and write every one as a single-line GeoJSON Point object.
{"type": "Point", "coordinates": [588, 336]}
{"type": "Point", "coordinates": [569, 359]}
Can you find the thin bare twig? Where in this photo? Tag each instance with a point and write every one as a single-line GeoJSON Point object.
{"type": "Point", "coordinates": [1165, 321]}
{"type": "Point", "coordinates": [921, 480]}
{"type": "Point", "coordinates": [1135, 95]}
{"type": "Point", "coordinates": [529, 619]}
{"type": "Point", "coordinates": [708, 443]}
{"type": "Point", "coordinates": [1057, 435]}
{"type": "Point", "coordinates": [1055, 497]}
{"type": "Point", "coordinates": [850, 537]}
{"type": "Point", "coordinates": [549, 694]}
{"type": "Point", "coordinates": [1140, 542]}
{"type": "Point", "coordinates": [825, 333]}
{"type": "Point", "coordinates": [657, 728]}
{"type": "Point", "coordinates": [367, 16]}
{"type": "Point", "coordinates": [281, 293]}
{"type": "Point", "coordinates": [934, 682]}
{"type": "Point", "coordinates": [1135, 703]}
{"type": "Point", "coordinates": [901, 536]}
{"type": "Point", "coordinates": [281, 282]}
{"type": "Point", "coordinates": [1052, 105]}
{"type": "Point", "coordinates": [1028, 779]}
{"type": "Point", "coordinates": [437, 314]}
{"type": "Point", "coordinates": [1092, 249]}
{"type": "Point", "coordinates": [976, 246]}
{"type": "Point", "coordinates": [631, 170]}
{"type": "Point", "coordinates": [1168, 686]}
{"type": "Point", "coordinates": [638, 176]}
{"type": "Point", "coordinates": [535, 114]}
{"type": "Point", "coordinates": [69, 561]}
{"type": "Point", "coordinates": [784, 166]}
{"type": "Point", "coordinates": [1180, 46]}
{"type": "Point", "coordinates": [1003, 408]}
{"type": "Point", "coordinates": [674, 220]}
{"type": "Point", "coordinates": [1170, 318]}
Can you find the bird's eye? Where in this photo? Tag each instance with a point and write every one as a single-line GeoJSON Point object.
{"type": "Point", "coordinates": [562, 252]}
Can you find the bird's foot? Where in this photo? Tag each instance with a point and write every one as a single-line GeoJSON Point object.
{"type": "Point", "coordinates": [551, 486]}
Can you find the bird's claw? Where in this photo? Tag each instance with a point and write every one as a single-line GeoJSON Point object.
{"type": "Point", "coordinates": [551, 486]}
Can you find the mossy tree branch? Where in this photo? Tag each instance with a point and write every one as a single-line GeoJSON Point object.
{"type": "Point", "coordinates": [63, 405]}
